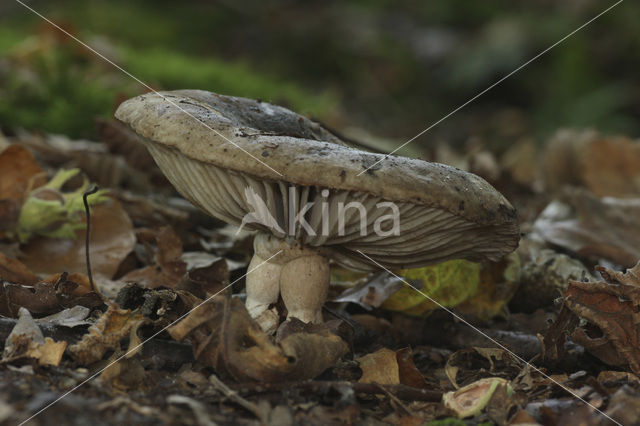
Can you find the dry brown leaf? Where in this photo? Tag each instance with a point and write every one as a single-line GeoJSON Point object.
{"type": "Point", "coordinates": [105, 335]}
{"type": "Point", "coordinates": [47, 297]}
{"type": "Point", "coordinates": [126, 374]}
{"type": "Point", "coordinates": [169, 268]}
{"type": "Point", "coordinates": [387, 367]}
{"type": "Point", "coordinates": [610, 309]}
{"type": "Point", "coordinates": [14, 271]}
{"type": "Point", "coordinates": [470, 364]}
{"type": "Point", "coordinates": [380, 367]}
{"type": "Point", "coordinates": [111, 240]}
{"type": "Point", "coordinates": [224, 336]}
{"type": "Point", "coordinates": [607, 166]}
{"type": "Point", "coordinates": [26, 341]}
{"type": "Point", "coordinates": [591, 227]}
{"type": "Point", "coordinates": [19, 173]}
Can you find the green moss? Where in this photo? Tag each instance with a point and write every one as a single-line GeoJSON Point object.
{"type": "Point", "coordinates": [171, 70]}
{"type": "Point", "coordinates": [62, 88]}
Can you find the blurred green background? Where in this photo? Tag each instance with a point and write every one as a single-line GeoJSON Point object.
{"type": "Point", "coordinates": [388, 68]}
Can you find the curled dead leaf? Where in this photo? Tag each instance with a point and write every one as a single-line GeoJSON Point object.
{"type": "Point", "coordinates": [111, 240]}
{"type": "Point", "coordinates": [27, 341]}
{"type": "Point", "coordinates": [470, 400]}
{"type": "Point", "coordinates": [591, 227]}
{"type": "Point", "coordinates": [49, 296]}
{"type": "Point", "coordinates": [610, 319]}
{"type": "Point", "coordinates": [113, 326]}
{"type": "Point", "coordinates": [224, 336]}
{"type": "Point", "coordinates": [388, 367]}
{"type": "Point", "coordinates": [14, 271]}
{"type": "Point", "coordinates": [20, 173]}
{"type": "Point", "coordinates": [169, 267]}
{"type": "Point", "coordinates": [607, 166]}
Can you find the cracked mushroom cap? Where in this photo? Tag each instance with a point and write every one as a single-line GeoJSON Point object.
{"type": "Point", "coordinates": [204, 144]}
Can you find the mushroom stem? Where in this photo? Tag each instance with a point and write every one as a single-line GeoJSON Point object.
{"type": "Point", "coordinates": [263, 288]}
{"type": "Point", "coordinates": [304, 284]}
{"type": "Point", "coordinates": [300, 274]}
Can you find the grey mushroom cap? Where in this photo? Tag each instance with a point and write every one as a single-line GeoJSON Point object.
{"type": "Point", "coordinates": [204, 144]}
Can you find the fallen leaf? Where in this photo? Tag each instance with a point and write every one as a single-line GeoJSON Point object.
{"type": "Point", "coordinates": [126, 374]}
{"type": "Point", "coordinates": [607, 166]}
{"type": "Point", "coordinates": [169, 268]}
{"type": "Point", "coordinates": [14, 271]}
{"type": "Point", "coordinates": [449, 283]}
{"type": "Point", "coordinates": [380, 367]}
{"type": "Point", "coordinates": [47, 297]}
{"type": "Point", "coordinates": [206, 274]}
{"type": "Point", "coordinates": [467, 364]}
{"type": "Point", "coordinates": [105, 335]}
{"type": "Point", "coordinates": [26, 341]}
{"type": "Point", "coordinates": [545, 276]}
{"type": "Point", "coordinates": [19, 173]}
{"type": "Point", "coordinates": [470, 400]}
{"type": "Point", "coordinates": [519, 160]}
{"type": "Point", "coordinates": [499, 282]}
{"type": "Point", "coordinates": [70, 317]}
{"type": "Point", "coordinates": [609, 312]}
{"type": "Point", "coordinates": [111, 240]}
{"type": "Point", "coordinates": [51, 212]}
{"type": "Point", "coordinates": [616, 378]}
{"type": "Point", "coordinates": [388, 367]}
{"type": "Point", "coordinates": [409, 373]}
{"type": "Point", "coordinates": [593, 228]}
{"type": "Point", "coordinates": [371, 293]}
{"type": "Point", "coordinates": [224, 337]}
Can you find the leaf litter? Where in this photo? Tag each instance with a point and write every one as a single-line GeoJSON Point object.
{"type": "Point", "coordinates": [384, 353]}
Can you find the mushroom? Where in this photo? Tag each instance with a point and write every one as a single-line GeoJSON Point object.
{"type": "Point", "coordinates": [266, 168]}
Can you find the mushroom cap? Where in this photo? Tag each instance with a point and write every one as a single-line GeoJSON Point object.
{"type": "Point", "coordinates": [204, 143]}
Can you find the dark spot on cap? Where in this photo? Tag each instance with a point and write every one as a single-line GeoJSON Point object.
{"type": "Point", "coordinates": [461, 205]}
{"type": "Point", "coordinates": [265, 154]}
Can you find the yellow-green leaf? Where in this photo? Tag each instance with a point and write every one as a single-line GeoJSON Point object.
{"type": "Point", "coordinates": [448, 283]}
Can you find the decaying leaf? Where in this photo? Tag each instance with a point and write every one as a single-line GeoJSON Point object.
{"type": "Point", "coordinates": [111, 240]}
{"type": "Point", "coordinates": [470, 400]}
{"type": "Point", "coordinates": [57, 292]}
{"type": "Point", "coordinates": [596, 228]}
{"type": "Point", "coordinates": [498, 283]}
{"type": "Point", "coordinates": [126, 374]}
{"type": "Point", "coordinates": [224, 336]}
{"type": "Point", "coordinates": [380, 367]}
{"type": "Point", "coordinates": [50, 212]}
{"type": "Point", "coordinates": [14, 271]}
{"type": "Point", "coordinates": [70, 317]}
{"type": "Point", "coordinates": [545, 276]}
{"type": "Point", "coordinates": [19, 174]}
{"type": "Point", "coordinates": [387, 367]}
{"type": "Point", "coordinates": [26, 341]}
{"type": "Point", "coordinates": [206, 274]}
{"type": "Point", "coordinates": [608, 311]}
{"type": "Point", "coordinates": [371, 293]}
{"type": "Point", "coordinates": [467, 364]}
{"type": "Point", "coordinates": [169, 268]}
{"type": "Point", "coordinates": [113, 326]}
{"type": "Point", "coordinates": [607, 166]}
{"type": "Point", "coordinates": [449, 283]}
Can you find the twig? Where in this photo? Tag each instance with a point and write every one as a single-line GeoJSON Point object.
{"type": "Point", "coordinates": [87, 210]}
{"type": "Point", "coordinates": [395, 399]}
{"type": "Point", "coordinates": [235, 397]}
